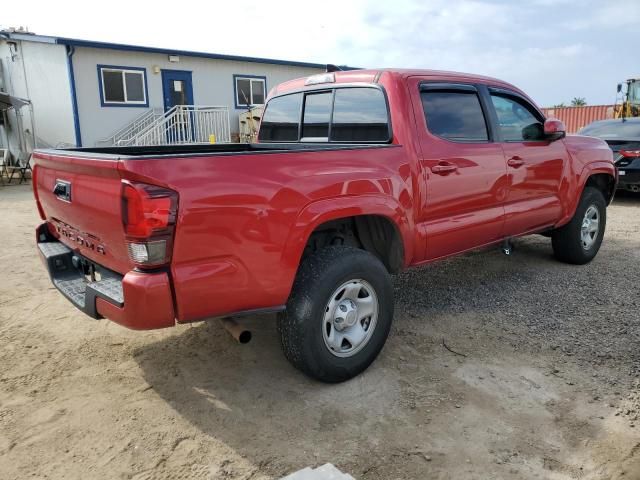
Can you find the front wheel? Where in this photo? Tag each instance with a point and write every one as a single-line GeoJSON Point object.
{"type": "Point", "coordinates": [339, 314]}
{"type": "Point", "coordinates": [579, 240]}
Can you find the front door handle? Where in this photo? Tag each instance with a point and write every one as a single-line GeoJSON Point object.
{"type": "Point", "coordinates": [444, 168]}
{"type": "Point", "coordinates": [515, 162]}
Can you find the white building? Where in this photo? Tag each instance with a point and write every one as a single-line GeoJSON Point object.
{"type": "Point", "coordinates": [84, 92]}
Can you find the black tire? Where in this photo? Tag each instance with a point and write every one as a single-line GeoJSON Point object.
{"type": "Point", "coordinates": [300, 326]}
{"type": "Point", "coordinates": [566, 240]}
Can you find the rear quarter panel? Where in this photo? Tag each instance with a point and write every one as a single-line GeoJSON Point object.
{"type": "Point", "coordinates": [243, 219]}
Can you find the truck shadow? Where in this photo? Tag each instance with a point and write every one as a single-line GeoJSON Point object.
{"type": "Point", "coordinates": [250, 398]}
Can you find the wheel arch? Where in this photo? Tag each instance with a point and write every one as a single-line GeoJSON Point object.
{"type": "Point", "coordinates": [605, 182]}
{"type": "Point", "coordinates": [379, 222]}
{"type": "Point", "coordinates": [600, 175]}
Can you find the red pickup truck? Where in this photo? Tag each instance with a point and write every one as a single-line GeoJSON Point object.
{"type": "Point", "coordinates": [357, 175]}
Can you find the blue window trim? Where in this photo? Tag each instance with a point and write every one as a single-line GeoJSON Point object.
{"type": "Point", "coordinates": [126, 105]}
{"type": "Point", "coordinates": [235, 90]}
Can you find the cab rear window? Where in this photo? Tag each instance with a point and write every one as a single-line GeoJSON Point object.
{"type": "Point", "coordinates": [359, 114]}
{"type": "Point", "coordinates": [345, 115]}
{"type": "Point", "coordinates": [317, 115]}
{"type": "Point", "coordinates": [281, 119]}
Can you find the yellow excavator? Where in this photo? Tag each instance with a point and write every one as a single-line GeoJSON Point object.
{"type": "Point", "coordinates": [629, 104]}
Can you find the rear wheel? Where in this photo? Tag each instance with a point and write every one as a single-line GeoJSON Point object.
{"type": "Point", "coordinates": [579, 240]}
{"type": "Point", "coordinates": [339, 314]}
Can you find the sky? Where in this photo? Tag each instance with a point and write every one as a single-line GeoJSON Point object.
{"type": "Point", "coordinates": [554, 50]}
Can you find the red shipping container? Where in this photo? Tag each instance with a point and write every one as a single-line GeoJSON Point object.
{"type": "Point", "coordinates": [575, 118]}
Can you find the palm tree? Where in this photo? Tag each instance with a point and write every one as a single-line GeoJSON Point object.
{"type": "Point", "coordinates": [578, 102]}
{"type": "Point", "coordinates": [559, 105]}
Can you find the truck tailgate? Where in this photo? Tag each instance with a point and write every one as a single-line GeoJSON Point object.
{"type": "Point", "coordinates": [81, 198]}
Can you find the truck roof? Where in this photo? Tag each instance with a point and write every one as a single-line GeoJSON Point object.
{"type": "Point", "coordinates": [372, 75]}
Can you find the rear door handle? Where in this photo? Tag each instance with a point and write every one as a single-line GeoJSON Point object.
{"type": "Point", "coordinates": [444, 168]}
{"type": "Point", "coordinates": [515, 162]}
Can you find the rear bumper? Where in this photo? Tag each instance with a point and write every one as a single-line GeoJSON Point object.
{"type": "Point", "coordinates": [628, 177]}
{"type": "Point", "coordinates": [137, 300]}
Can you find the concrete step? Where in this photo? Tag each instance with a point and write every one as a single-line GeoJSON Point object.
{"type": "Point", "coordinates": [325, 472]}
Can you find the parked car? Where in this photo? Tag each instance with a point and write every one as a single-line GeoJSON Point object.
{"type": "Point", "coordinates": [357, 175]}
{"type": "Point", "coordinates": [623, 136]}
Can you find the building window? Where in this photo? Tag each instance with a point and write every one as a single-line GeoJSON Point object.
{"type": "Point", "coordinates": [122, 86]}
{"type": "Point", "coordinates": [249, 89]}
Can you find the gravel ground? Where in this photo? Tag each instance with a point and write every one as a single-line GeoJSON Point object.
{"type": "Point", "coordinates": [497, 367]}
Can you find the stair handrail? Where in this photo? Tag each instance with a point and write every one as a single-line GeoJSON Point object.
{"type": "Point", "coordinates": [130, 127]}
{"type": "Point", "coordinates": [160, 119]}
{"type": "Point", "coordinates": [186, 124]}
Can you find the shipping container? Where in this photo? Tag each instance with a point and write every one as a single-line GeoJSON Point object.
{"type": "Point", "coordinates": [575, 118]}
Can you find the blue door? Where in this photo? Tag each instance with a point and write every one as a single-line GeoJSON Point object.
{"type": "Point", "coordinates": [177, 88]}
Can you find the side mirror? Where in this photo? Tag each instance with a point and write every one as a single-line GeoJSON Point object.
{"type": "Point", "coordinates": [554, 129]}
{"type": "Point", "coordinates": [619, 87]}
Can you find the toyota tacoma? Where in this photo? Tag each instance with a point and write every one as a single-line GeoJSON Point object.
{"type": "Point", "coordinates": [356, 176]}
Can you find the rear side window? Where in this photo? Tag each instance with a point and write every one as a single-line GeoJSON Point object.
{"type": "Point", "coordinates": [281, 119]}
{"type": "Point", "coordinates": [455, 115]}
{"type": "Point", "coordinates": [349, 114]}
{"type": "Point", "coordinates": [359, 114]}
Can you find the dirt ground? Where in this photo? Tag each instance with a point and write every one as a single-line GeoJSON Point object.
{"type": "Point", "coordinates": [548, 386]}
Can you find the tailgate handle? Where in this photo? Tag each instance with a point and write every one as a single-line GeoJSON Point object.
{"type": "Point", "coordinates": [62, 190]}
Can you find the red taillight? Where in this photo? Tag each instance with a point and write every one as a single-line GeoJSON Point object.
{"type": "Point", "coordinates": [630, 153]}
{"type": "Point", "coordinates": [149, 216]}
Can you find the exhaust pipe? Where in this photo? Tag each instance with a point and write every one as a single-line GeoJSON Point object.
{"type": "Point", "coordinates": [241, 334]}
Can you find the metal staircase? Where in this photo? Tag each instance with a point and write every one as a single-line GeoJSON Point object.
{"type": "Point", "coordinates": [182, 124]}
{"type": "Point", "coordinates": [128, 132]}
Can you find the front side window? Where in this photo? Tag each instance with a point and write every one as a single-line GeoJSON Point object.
{"type": "Point", "coordinates": [249, 91]}
{"type": "Point", "coordinates": [516, 121]}
{"type": "Point", "coordinates": [351, 114]}
{"type": "Point", "coordinates": [281, 119]}
{"type": "Point", "coordinates": [123, 86]}
{"type": "Point", "coordinates": [455, 115]}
